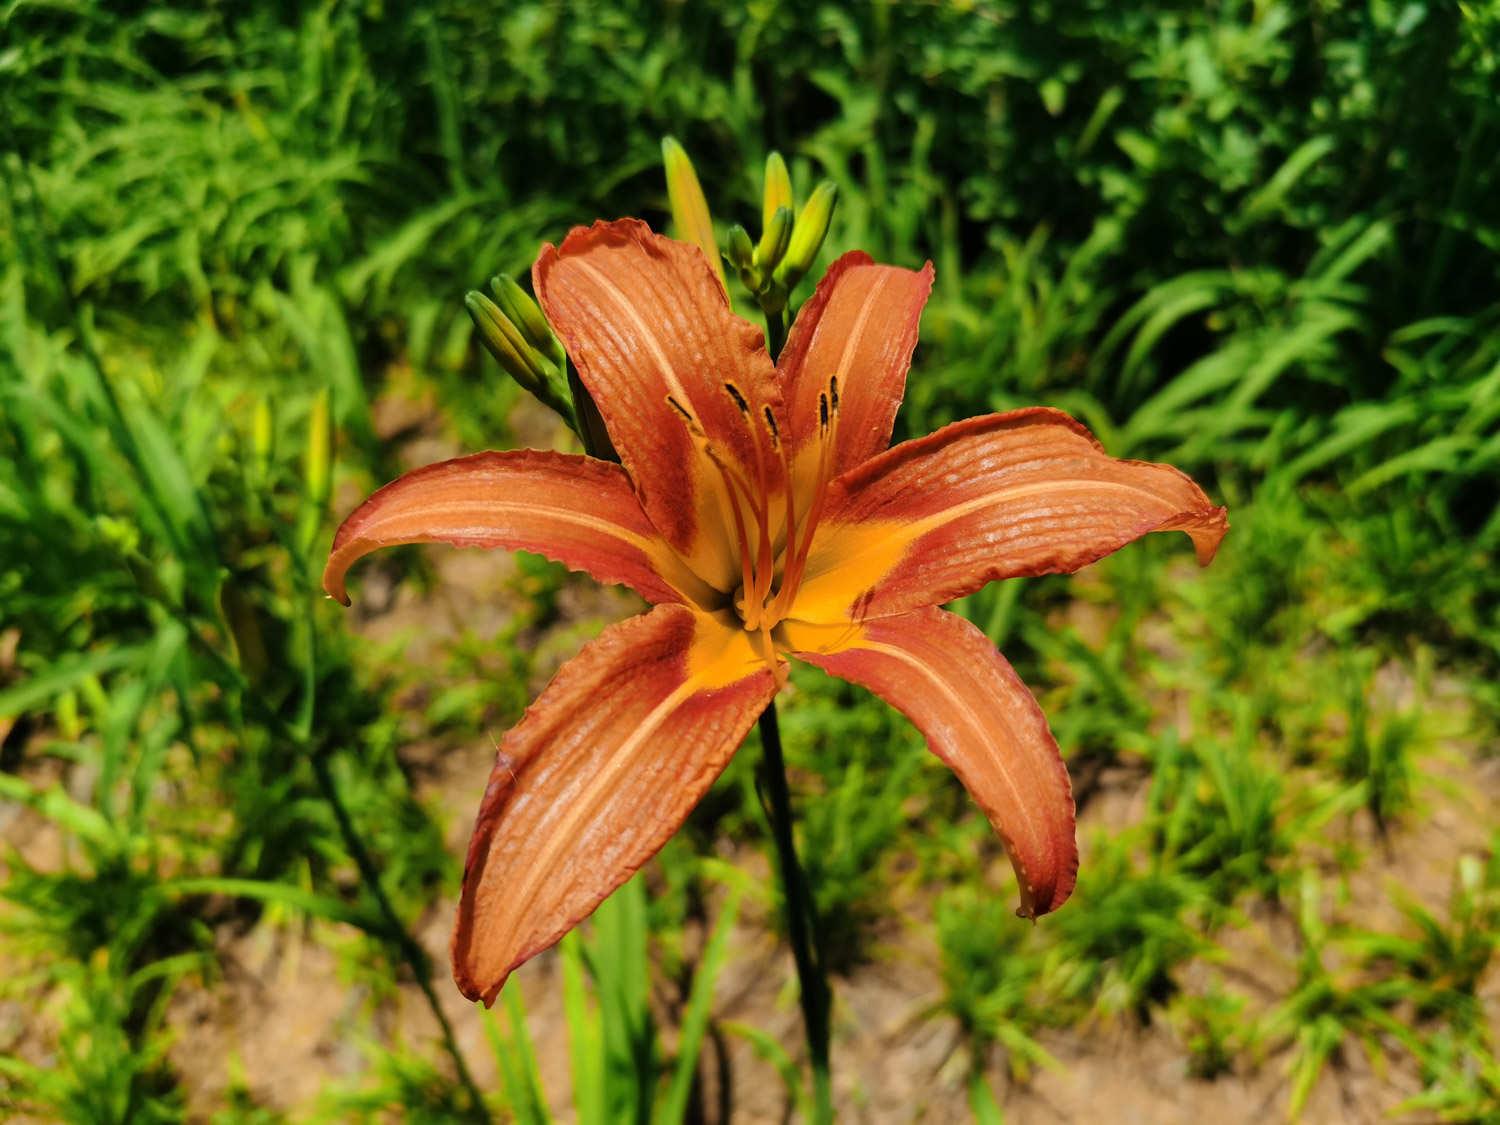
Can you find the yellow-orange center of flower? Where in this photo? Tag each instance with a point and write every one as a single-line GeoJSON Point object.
{"type": "Point", "coordinates": [772, 520]}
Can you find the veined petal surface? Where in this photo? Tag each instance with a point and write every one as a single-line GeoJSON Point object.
{"type": "Point", "coordinates": [594, 779]}
{"type": "Point", "coordinates": [581, 512]}
{"type": "Point", "coordinates": [858, 330]}
{"type": "Point", "coordinates": [978, 717]}
{"type": "Point", "coordinates": [647, 323]}
{"type": "Point", "coordinates": [1000, 496]}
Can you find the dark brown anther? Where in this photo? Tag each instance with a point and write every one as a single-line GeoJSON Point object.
{"type": "Point", "coordinates": [773, 428]}
{"type": "Point", "coordinates": [833, 392]}
{"type": "Point", "coordinates": [739, 399]}
{"type": "Point", "coordinates": [677, 406]}
{"type": "Point", "coordinates": [823, 409]}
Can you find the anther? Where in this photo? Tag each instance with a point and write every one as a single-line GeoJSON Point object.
{"type": "Point", "coordinates": [739, 399]}
{"type": "Point", "coordinates": [823, 409]}
{"type": "Point", "coordinates": [833, 391]}
{"type": "Point", "coordinates": [774, 429]}
{"type": "Point", "coordinates": [677, 406]}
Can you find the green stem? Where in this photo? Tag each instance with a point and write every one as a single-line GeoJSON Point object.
{"type": "Point", "coordinates": [801, 914]}
{"type": "Point", "coordinates": [775, 333]}
{"type": "Point", "coordinates": [414, 955]}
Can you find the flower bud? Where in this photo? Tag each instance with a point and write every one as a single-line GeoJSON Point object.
{"type": "Point", "coordinates": [741, 251]}
{"type": "Point", "coordinates": [316, 457]}
{"type": "Point", "coordinates": [501, 338]}
{"type": "Point", "coordinates": [690, 212]}
{"type": "Point", "coordinates": [778, 191]}
{"type": "Point", "coordinates": [504, 341]}
{"type": "Point", "coordinates": [523, 312]}
{"type": "Point", "coordinates": [262, 437]}
{"type": "Point", "coordinates": [544, 379]}
{"type": "Point", "coordinates": [807, 236]}
{"type": "Point", "coordinates": [741, 257]}
{"type": "Point", "coordinates": [774, 240]}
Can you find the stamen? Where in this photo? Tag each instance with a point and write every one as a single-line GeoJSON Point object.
{"type": "Point", "coordinates": [789, 489]}
{"type": "Point", "coordinates": [739, 399]}
{"type": "Point", "coordinates": [736, 490]}
{"type": "Point", "coordinates": [686, 417]}
{"type": "Point", "coordinates": [797, 552]}
{"type": "Point", "coordinates": [747, 573]}
{"type": "Point", "coordinates": [765, 554]}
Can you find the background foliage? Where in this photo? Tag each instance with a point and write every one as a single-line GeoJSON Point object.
{"type": "Point", "coordinates": [1256, 239]}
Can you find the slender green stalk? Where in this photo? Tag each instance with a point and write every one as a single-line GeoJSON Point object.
{"type": "Point", "coordinates": [775, 333]}
{"type": "Point", "coordinates": [411, 952]}
{"type": "Point", "coordinates": [802, 921]}
{"type": "Point", "coordinates": [414, 955]}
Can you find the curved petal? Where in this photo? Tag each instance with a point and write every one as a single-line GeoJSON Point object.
{"type": "Point", "coordinates": [858, 329]}
{"type": "Point", "coordinates": [1000, 496]}
{"type": "Point", "coordinates": [596, 777]}
{"type": "Point", "coordinates": [648, 326]}
{"type": "Point", "coordinates": [978, 717]}
{"type": "Point", "coordinates": [578, 511]}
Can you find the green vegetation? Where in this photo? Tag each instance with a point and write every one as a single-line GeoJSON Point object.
{"type": "Point", "coordinates": [1259, 241]}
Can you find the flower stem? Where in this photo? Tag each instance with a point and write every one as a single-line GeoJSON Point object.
{"type": "Point", "coordinates": [802, 920]}
{"type": "Point", "coordinates": [775, 333]}
{"type": "Point", "coordinates": [413, 954]}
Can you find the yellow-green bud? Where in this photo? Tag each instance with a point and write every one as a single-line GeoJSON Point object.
{"type": "Point", "coordinates": [774, 240]}
{"type": "Point", "coordinates": [262, 437]}
{"type": "Point", "coordinates": [778, 189]}
{"type": "Point", "coordinates": [505, 341]}
{"type": "Point", "coordinates": [317, 456]}
{"type": "Point", "coordinates": [690, 213]}
{"type": "Point", "coordinates": [65, 712]}
{"type": "Point", "coordinates": [741, 251]}
{"type": "Point", "coordinates": [741, 257]}
{"type": "Point", "coordinates": [808, 235]}
{"type": "Point", "coordinates": [523, 312]}
{"type": "Point", "coordinates": [542, 377]}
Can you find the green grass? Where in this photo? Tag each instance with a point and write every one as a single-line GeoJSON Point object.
{"type": "Point", "coordinates": [1256, 240]}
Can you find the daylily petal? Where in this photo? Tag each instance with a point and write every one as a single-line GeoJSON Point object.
{"type": "Point", "coordinates": [647, 324]}
{"type": "Point", "coordinates": [596, 777]}
{"type": "Point", "coordinates": [578, 511]}
{"type": "Point", "coordinates": [978, 717]}
{"type": "Point", "coordinates": [1000, 496]}
{"type": "Point", "coordinates": [859, 328]}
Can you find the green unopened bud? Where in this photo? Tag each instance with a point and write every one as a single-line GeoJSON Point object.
{"type": "Point", "coordinates": [741, 257]}
{"type": "Point", "coordinates": [523, 312]}
{"type": "Point", "coordinates": [807, 237]}
{"type": "Point", "coordinates": [545, 379]}
{"type": "Point", "coordinates": [778, 189]}
{"type": "Point", "coordinates": [316, 456]}
{"type": "Point", "coordinates": [690, 213]}
{"type": "Point", "coordinates": [741, 252]}
{"type": "Point", "coordinates": [505, 341]}
{"type": "Point", "coordinates": [65, 713]}
{"type": "Point", "coordinates": [774, 240]}
{"type": "Point", "coordinates": [262, 438]}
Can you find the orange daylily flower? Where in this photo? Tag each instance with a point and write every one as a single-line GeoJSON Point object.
{"type": "Point", "coordinates": [758, 507]}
